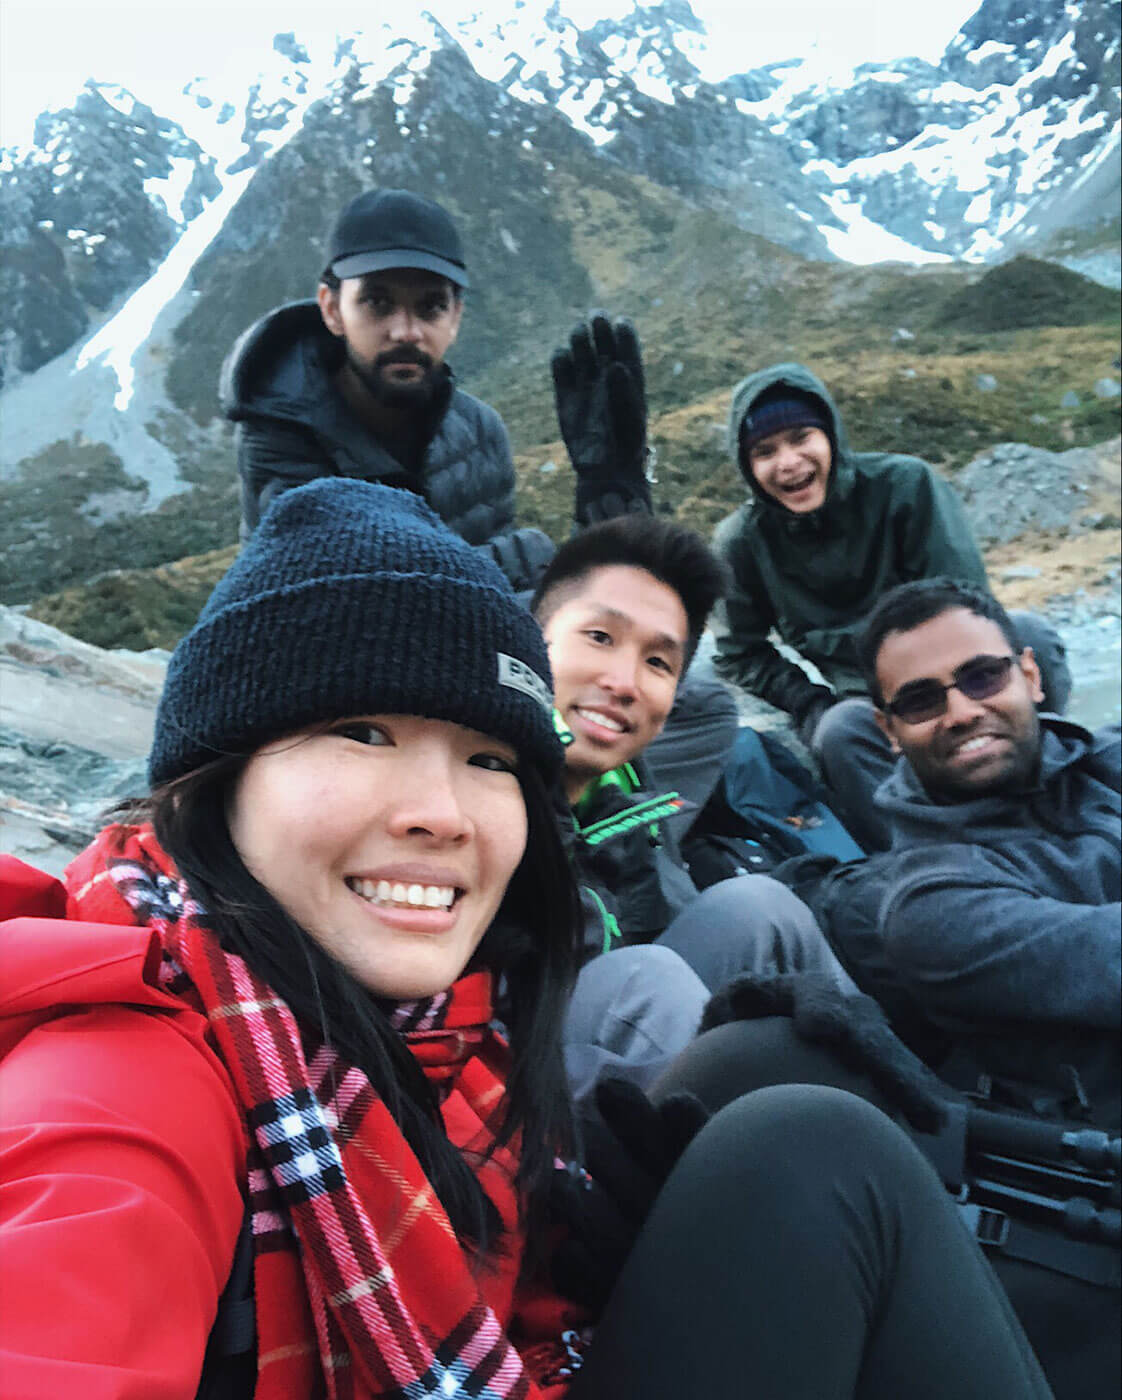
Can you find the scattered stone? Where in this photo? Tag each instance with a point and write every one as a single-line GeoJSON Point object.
{"type": "Point", "coordinates": [676, 368]}
{"type": "Point", "coordinates": [1107, 388]}
{"type": "Point", "coordinates": [1038, 418]}
{"type": "Point", "coordinates": [1020, 571]}
{"type": "Point", "coordinates": [901, 336]}
{"type": "Point", "coordinates": [1070, 399]}
{"type": "Point", "coordinates": [1015, 488]}
{"type": "Point", "coordinates": [985, 383]}
{"type": "Point", "coordinates": [547, 467]}
{"type": "Point", "coordinates": [907, 374]}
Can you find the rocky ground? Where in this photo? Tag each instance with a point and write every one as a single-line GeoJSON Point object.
{"type": "Point", "coordinates": [76, 721]}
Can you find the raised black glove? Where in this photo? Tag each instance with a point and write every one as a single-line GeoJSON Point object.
{"type": "Point", "coordinates": [600, 393]}
{"type": "Point", "coordinates": [851, 1025]}
{"type": "Point", "coordinates": [629, 1148]}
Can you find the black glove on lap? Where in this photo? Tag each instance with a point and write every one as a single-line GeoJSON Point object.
{"type": "Point", "coordinates": [852, 1026]}
{"type": "Point", "coordinates": [630, 1146]}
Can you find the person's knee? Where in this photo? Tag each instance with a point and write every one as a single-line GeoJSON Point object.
{"type": "Point", "coordinates": [847, 723]}
{"type": "Point", "coordinates": [636, 1001]}
{"type": "Point", "coordinates": [751, 923]}
{"type": "Point", "coordinates": [631, 1013]}
{"type": "Point", "coordinates": [752, 901]}
{"type": "Point", "coordinates": [786, 1138]}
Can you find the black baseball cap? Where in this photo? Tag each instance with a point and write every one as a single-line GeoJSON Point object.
{"type": "Point", "coordinates": [393, 228]}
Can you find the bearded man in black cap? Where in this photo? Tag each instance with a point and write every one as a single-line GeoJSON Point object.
{"type": "Point", "coordinates": [355, 382]}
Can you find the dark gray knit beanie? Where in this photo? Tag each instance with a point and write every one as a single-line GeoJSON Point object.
{"type": "Point", "coordinates": [782, 407]}
{"type": "Point", "coordinates": [354, 599]}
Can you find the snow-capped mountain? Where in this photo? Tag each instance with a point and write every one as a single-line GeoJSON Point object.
{"type": "Point", "coordinates": [625, 163]}
{"type": "Point", "coordinates": [970, 158]}
{"type": "Point", "coordinates": [1012, 136]}
{"type": "Point", "coordinates": [88, 213]}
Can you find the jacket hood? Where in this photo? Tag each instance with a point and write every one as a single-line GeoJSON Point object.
{"type": "Point", "coordinates": [792, 376]}
{"type": "Point", "coordinates": [917, 820]}
{"type": "Point", "coordinates": [51, 960]}
{"type": "Point", "coordinates": [279, 359]}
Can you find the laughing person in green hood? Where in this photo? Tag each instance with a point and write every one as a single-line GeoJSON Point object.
{"type": "Point", "coordinates": [824, 534]}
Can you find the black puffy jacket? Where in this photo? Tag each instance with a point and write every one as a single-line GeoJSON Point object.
{"type": "Point", "coordinates": [293, 426]}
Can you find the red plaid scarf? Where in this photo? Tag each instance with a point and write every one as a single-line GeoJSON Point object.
{"type": "Point", "coordinates": [362, 1289]}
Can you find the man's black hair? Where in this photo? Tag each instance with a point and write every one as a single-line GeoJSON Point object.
{"type": "Point", "coordinates": [911, 605]}
{"type": "Point", "coordinates": [674, 554]}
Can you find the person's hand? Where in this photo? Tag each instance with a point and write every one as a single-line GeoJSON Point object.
{"type": "Point", "coordinates": [600, 393]}
{"type": "Point", "coordinates": [523, 555]}
{"type": "Point", "coordinates": [810, 714]}
{"type": "Point", "coordinates": [850, 1025]}
{"type": "Point", "coordinates": [630, 1146]}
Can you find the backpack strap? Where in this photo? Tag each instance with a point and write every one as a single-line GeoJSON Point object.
{"type": "Point", "coordinates": [1092, 1261]}
{"type": "Point", "coordinates": [230, 1365]}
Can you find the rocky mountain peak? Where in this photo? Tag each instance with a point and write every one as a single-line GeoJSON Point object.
{"type": "Point", "coordinates": [88, 212]}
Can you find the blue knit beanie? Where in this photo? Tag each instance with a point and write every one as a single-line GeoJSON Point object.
{"type": "Point", "coordinates": [779, 408]}
{"type": "Point", "coordinates": [354, 599]}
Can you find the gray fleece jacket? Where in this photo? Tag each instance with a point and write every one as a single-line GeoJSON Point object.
{"type": "Point", "coordinates": [1003, 915]}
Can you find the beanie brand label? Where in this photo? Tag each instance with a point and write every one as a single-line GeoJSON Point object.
{"type": "Point", "coordinates": [518, 676]}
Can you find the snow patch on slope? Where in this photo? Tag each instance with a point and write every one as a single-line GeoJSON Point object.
{"type": "Point", "coordinates": [117, 342]}
{"type": "Point", "coordinates": [860, 240]}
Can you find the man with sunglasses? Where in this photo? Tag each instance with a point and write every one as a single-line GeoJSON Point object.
{"type": "Point", "coordinates": [995, 920]}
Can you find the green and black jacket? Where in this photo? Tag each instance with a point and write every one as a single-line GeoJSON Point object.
{"type": "Point", "coordinates": [887, 519]}
{"type": "Point", "coordinates": [633, 881]}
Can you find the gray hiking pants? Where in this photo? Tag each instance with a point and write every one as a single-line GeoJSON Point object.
{"type": "Point", "coordinates": [634, 1009]}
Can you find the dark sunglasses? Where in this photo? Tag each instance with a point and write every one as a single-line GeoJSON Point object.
{"type": "Point", "coordinates": [977, 679]}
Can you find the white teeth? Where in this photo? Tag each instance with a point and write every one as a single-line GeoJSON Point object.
{"type": "Point", "coordinates": [604, 720]}
{"type": "Point", "coordinates": [408, 896]}
{"type": "Point", "coordinates": [972, 744]}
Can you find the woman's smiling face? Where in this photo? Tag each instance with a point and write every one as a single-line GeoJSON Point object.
{"type": "Point", "coordinates": [390, 839]}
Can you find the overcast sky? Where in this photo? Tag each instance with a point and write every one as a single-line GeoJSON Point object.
{"type": "Point", "coordinates": [49, 47]}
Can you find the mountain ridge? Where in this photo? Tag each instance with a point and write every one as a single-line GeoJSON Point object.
{"type": "Point", "coordinates": [594, 166]}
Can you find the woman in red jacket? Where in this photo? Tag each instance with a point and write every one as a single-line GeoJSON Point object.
{"type": "Point", "coordinates": [258, 1026]}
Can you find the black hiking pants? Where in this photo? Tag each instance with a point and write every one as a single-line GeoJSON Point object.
{"type": "Point", "coordinates": [802, 1249]}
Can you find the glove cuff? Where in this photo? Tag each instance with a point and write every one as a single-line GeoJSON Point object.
{"type": "Point", "coordinates": [602, 494]}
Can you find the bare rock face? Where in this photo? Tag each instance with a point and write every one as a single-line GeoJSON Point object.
{"type": "Point", "coordinates": [75, 729]}
{"type": "Point", "coordinates": [1014, 488]}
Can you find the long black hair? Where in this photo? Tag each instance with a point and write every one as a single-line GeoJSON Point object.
{"type": "Point", "coordinates": [531, 947]}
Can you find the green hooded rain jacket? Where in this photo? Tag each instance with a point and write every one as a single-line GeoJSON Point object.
{"type": "Point", "coordinates": [886, 519]}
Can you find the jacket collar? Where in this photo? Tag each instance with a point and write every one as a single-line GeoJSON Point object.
{"type": "Point", "coordinates": [917, 819]}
